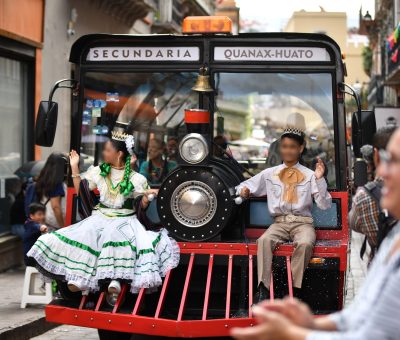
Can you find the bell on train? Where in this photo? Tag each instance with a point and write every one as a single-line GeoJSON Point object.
{"type": "Point", "coordinates": [203, 82]}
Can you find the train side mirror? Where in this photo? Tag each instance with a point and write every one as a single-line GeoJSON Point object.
{"type": "Point", "coordinates": [363, 128]}
{"type": "Point", "coordinates": [46, 123]}
{"type": "Point", "coordinates": [46, 120]}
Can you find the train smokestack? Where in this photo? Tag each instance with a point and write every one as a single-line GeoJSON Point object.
{"type": "Point", "coordinates": [197, 121]}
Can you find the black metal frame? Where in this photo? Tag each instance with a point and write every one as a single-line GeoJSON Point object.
{"type": "Point", "coordinates": [206, 44]}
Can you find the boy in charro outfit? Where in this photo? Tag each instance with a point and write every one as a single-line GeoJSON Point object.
{"type": "Point", "coordinates": [291, 188]}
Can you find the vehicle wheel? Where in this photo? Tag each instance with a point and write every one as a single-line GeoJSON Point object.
{"type": "Point", "coordinates": [112, 335]}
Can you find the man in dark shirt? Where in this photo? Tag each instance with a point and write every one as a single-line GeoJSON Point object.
{"type": "Point", "coordinates": [34, 227]}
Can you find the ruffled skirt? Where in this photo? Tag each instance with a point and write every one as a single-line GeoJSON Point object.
{"type": "Point", "coordinates": [101, 247]}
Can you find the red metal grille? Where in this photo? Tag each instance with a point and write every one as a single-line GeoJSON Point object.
{"type": "Point", "coordinates": [330, 244]}
{"type": "Point", "coordinates": [181, 326]}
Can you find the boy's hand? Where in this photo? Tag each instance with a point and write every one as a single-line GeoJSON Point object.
{"type": "Point", "coordinates": [245, 192]}
{"type": "Point", "coordinates": [319, 169]}
{"type": "Point", "coordinates": [43, 228]}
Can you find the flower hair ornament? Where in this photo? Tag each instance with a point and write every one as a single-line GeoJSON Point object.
{"type": "Point", "coordinates": [130, 144]}
{"type": "Point", "coordinates": [129, 140]}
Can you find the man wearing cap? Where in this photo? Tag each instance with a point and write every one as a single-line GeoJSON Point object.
{"type": "Point", "coordinates": [291, 189]}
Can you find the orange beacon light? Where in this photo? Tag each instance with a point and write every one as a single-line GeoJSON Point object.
{"type": "Point", "coordinates": [207, 24]}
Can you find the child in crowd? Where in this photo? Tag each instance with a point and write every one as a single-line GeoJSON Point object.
{"type": "Point", "coordinates": [33, 228]}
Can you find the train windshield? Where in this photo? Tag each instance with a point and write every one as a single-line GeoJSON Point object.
{"type": "Point", "coordinates": [257, 107]}
{"type": "Point", "coordinates": [153, 102]}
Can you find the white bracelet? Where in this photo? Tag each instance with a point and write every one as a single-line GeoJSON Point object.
{"type": "Point", "coordinates": [75, 176]}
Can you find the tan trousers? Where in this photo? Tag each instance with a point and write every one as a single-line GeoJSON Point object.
{"type": "Point", "coordinates": [303, 237]}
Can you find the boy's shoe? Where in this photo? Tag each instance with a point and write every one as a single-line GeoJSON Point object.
{"type": "Point", "coordinates": [297, 293]}
{"type": "Point", "coordinates": [114, 287]}
{"type": "Point", "coordinates": [262, 294]}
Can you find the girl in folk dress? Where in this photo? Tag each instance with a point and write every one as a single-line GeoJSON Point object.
{"type": "Point", "coordinates": [111, 244]}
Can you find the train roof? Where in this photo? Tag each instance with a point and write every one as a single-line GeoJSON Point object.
{"type": "Point", "coordinates": [83, 43]}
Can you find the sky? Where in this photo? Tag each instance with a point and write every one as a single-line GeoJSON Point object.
{"type": "Point", "coordinates": [272, 15]}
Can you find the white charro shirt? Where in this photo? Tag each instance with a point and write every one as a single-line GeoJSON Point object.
{"type": "Point", "coordinates": [267, 183]}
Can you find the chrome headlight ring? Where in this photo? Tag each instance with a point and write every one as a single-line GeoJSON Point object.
{"type": "Point", "coordinates": [193, 148]}
{"type": "Point", "coordinates": [193, 203]}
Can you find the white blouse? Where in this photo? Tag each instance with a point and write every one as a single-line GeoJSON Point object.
{"type": "Point", "coordinates": [114, 201]}
{"type": "Point", "coordinates": [267, 183]}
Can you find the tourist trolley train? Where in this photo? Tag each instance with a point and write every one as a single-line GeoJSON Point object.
{"type": "Point", "coordinates": [241, 83]}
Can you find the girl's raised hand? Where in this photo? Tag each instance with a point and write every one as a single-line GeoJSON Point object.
{"type": "Point", "coordinates": [74, 159]}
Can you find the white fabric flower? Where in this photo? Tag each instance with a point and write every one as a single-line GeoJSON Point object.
{"type": "Point", "coordinates": [130, 143]}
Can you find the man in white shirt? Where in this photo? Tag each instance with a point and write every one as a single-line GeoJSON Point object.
{"type": "Point", "coordinates": [291, 189]}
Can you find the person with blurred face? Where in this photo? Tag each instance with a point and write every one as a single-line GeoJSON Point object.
{"type": "Point", "coordinates": [111, 245]}
{"type": "Point", "coordinates": [291, 188]}
{"type": "Point", "coordinates": [373, 314]}
{"type": "Point", "coordinates": [33, 228]}
{"type": "Point", "coordinates": [366, 215]}
{"type": "Point", "coordinates": [172, 148]}
{"type": "Point", "coordinates": [389, 170]}
{"type": "Point", "coordinates": [156, 168]}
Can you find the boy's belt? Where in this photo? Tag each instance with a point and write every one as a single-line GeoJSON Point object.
{"type": "Point", "coordinates": [293, 219]}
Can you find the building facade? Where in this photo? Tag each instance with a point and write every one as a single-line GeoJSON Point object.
{"type": "Point", "coordinates": [383, 31]}
{"type": "Point", "coordinates": [21, 44]}
{"type": "Point", "coordinates": [334, 24]}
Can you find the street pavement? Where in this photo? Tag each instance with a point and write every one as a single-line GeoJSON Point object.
{"type": "Point", "coordinates": [17, 323]}
{"type": "Point", "coordinates": [70, 333]}
{"type": "Point", "coordinates": [12, 317]}
{"type": "Point", "coordinates": [358, 267]}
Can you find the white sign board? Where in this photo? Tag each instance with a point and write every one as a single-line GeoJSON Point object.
{"type": "Point", "coordinates": [143, 54]}
{"type": "Point", "coordinates": [294, 54]}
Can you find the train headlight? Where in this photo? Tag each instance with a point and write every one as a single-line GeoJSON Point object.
{"type": "Point", "coordinates": [193, 148]}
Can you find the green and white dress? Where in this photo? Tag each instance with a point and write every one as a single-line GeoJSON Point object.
{"type": "Point", "coordinates": [111, 243]}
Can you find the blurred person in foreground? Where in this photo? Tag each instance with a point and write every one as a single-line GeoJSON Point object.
{"type": "Point", "coordinates": [374, 312]}
{"type": "Point", "coordinates": [366, 215]}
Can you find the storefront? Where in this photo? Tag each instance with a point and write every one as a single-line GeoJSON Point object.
{"type": "Point", "coordinates": [21, 37]}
